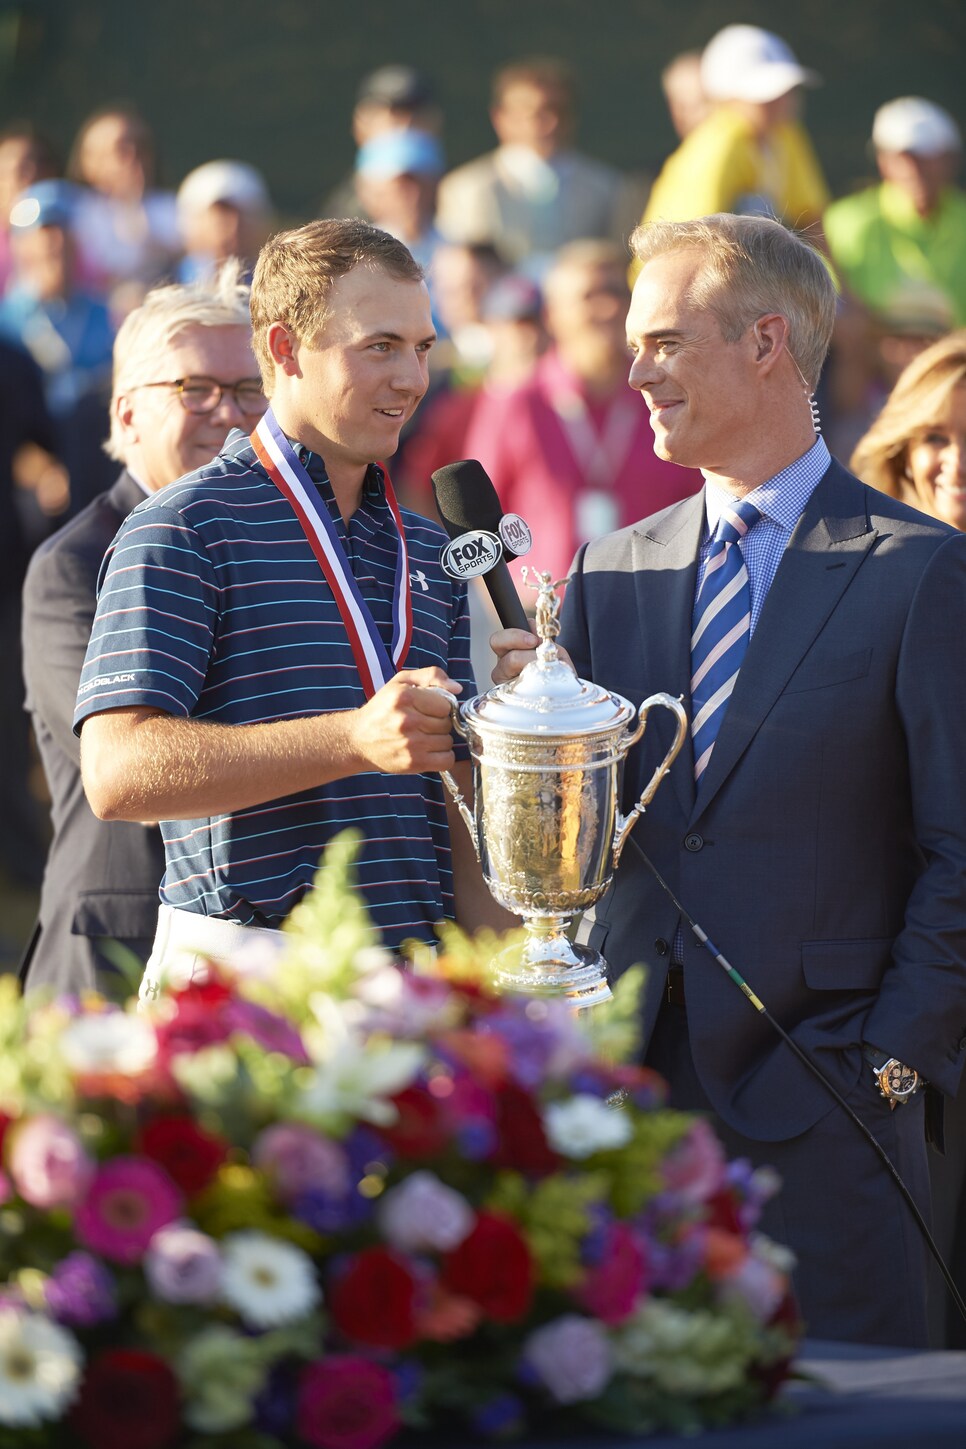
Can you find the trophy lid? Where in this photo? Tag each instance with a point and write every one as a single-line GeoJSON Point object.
{"type": "Point", "coordinates": [548, 697]}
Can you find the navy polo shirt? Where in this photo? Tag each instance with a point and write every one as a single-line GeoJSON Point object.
{"type": "Point", "coordinates": [212, 605]}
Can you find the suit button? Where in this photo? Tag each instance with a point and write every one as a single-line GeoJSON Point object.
{"type": "Point", "coordinates": [660, 946]}
{"type": "Point", "coordinates": [694, 842]}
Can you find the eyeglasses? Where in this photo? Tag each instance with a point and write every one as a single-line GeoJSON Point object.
{"type": "Point", "coordinates": [204, 394]}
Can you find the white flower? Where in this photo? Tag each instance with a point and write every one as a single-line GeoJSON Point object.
{"type": "Point", "coordinates": [40, 1365]}
{"type": "Point", "coordinates": [353, 1082]}
{"type": "Point", "coordinates": [572, 1357]}
{"type": "Point", "coordinates": [110, 1041]}
{"type": "Point", "coordinates": [267, 1281]}
{"type": "Point", "coordinates": [584, 1124]}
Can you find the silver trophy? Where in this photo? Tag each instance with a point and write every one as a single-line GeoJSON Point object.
{"type": "Point", "coordinates": [548, 751]}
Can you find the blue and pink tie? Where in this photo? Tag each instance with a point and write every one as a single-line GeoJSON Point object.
{"type": "Point", "coordinates": [722, 624]}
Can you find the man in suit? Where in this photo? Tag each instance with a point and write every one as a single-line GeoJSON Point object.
{"type": "Point", "coordinates": [184, 375]}
{"type": "Point", "coordinates": [815, 823]}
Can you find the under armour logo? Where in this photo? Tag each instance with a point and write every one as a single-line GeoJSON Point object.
{"type": "Point", "coordinates": [419, 578]}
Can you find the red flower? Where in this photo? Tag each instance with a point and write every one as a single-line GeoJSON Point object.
{"type": "Point", "coordinates": [346, 1403]}
{"type": "Point", "coordinates": [128, 1400]}
{"type": "Point", "coordinates": [523, 1145]}
{"type": "Point", "coordinates": [420, 1129]}
{"type": "Point", "coordinates": [190, 1156]}
{"type": "Point", "coordinates": [374, 1301]}
{"type": "Point", "coordinates": [722, 1211]}
{"type": "Point", "coordinates": [494, 1268]}
{"type": "Point", "coordinates": [200, 1019]}
{"type": "Point", "coordinates": [611, 1288]}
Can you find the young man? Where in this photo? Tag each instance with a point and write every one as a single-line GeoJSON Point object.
{"type": "Point", "coordinates": [816, 825]}
{"type": "Point", "coordinates": [241, 683]}
{"type": "Point", "coordinates": [184, 375]}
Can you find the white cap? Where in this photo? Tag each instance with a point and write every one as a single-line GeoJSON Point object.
{"type": "Point", "coordinates": [233, 182]}
{"type": "Point", "coordinates": [914, 125]}
{"type": "Point", "coordinates": [745, 63]}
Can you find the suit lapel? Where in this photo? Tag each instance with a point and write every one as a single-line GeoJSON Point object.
{"type": "Point", "coordinates": [829, 543]}
{"type": "Point", "coordinates": [665, 554]}
{"type": "Point", "coordinates": [126, 493]}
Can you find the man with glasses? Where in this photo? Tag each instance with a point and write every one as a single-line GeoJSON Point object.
{"type": "Point", "coordinates": [274, 635]}
{"type": "Point", "coordinates": [184, 375]}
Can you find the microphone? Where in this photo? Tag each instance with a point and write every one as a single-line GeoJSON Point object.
{"type": "Point", "coordinates": [470, 510]}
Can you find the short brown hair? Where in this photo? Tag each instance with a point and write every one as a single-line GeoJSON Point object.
{"type": "Point", "coordinates": [295, 271]}
{"type": "Point", "coordinates": [752, 266]}
{"type": "Point", "coordinates": [915, 404]}
{"type": "Point", "coordinates": [544, 72]}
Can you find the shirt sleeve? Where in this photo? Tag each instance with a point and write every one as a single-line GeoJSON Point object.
{"type": "Point", "coordinates": [155, 623]}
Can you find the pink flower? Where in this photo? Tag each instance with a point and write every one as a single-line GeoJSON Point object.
{"type": "Point", "coordinates": [612, 1287]}
{"type": "Point", "coordinates": [346, 1402]}
{"type": "Point", "coordinates": [572, 1358]}
{"type": "Point", "coordinates": [130, 1199]}
{"type": "Point", "coordinates": [299, 1159]}
{"type": "Point", "coordinates": [422, 1213]}
{"type": "Point", "coordinates": [760, 1286]}
{"type": "Point", "coordinates": [271, 1031]}
{"type": "Point", "coordinates": [183, 1265]}
{"type": "Point", "coordinates": [48, 1163]}
{"type": "Point", "coordinates": [695, 1168]}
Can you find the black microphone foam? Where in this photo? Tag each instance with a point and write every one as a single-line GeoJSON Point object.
{"type": "Point", "coordinates": [466, 499]}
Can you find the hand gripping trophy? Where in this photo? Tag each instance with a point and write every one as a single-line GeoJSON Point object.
{"type": "Point", "coordinates": [548, 751]}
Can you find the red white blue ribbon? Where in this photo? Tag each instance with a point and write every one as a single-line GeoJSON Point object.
{"type": "Point", "coordinates": [278, 458]}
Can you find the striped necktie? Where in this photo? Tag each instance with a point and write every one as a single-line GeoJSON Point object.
{"type": "Point", "coordinates": [722, 623]}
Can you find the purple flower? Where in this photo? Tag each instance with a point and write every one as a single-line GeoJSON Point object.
{"type": "Point", "coordinates": [275, 1404]}
{"type": "Point", "coordinates": [272, 1032]}
{"type": "Point", "coordinates": [422, 1214]}
{"type": "Point", "coordinates": [674, 1265]}
{"type": "Point", "coordinates": [572, 1358]}
{"type": "Point", "coordinates": [47, 1162]}
{"type": "Point", "coordinates": [326, 1212]}
{"type": "Point", "coordinates": [183, 1265]}
{"type": "Point", "coordinates": [81, 1291]}
{"type": "Point", "coordinates": [299, 1160]}
{"type": "Point", "coordinates": [500, 1417]}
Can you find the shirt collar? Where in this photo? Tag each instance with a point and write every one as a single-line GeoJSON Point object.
{"type": "Point", "coordinates": [374, 488]}
{"type": "Point", "coordinates": [782, 498]}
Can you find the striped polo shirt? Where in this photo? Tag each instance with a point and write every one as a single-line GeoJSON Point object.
{"type": "Point", "coordinates": [212, 605]}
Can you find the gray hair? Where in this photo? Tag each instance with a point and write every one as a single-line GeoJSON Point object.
{"type": "Point", "coordinates": [163, 315]}
{"type": "Point", "coordinates": [753, 266]}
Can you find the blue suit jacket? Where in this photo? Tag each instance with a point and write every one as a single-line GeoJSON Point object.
{"type": "Point", "coordinates": [826, 852]}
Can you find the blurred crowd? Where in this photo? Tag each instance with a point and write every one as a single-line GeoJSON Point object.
{"type": "Point", "coordinates": [525, 250]}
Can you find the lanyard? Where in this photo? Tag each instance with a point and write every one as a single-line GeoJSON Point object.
{"type": "Point", "coordinates": [278, 458]}
{"type": "Point", "coordinates": [598, 455]}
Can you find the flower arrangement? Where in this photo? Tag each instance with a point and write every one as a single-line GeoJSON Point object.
{"type": "Point", "coordinates": [318, 1200]}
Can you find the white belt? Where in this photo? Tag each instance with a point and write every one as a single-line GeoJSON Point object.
{"type": "Point", "coordinates": [185, 941]}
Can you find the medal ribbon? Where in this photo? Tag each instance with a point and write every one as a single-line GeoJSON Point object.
{"type": "Point", "coordinates": [278, 458]}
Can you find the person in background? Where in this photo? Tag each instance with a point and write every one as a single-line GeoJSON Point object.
{"type": "Point", "coordinates": [814, 821]}
{"type": "Point", "coordinates": [127, 231]}
{"type": "Point", "coordinates": [684, 92]}
{"type": "Point", "coordinates": [916, 451]}
{"type": "Point", "coordinates": [464, 274]}
{"type": "Point", "coordinates": [534, 193]}
{"type": "Point", "coordinates": [66, 330]}
{"type": "Point", "coordinates": [569, 450]}
{"type": "Point", "coordinates": [252, 702]}
{"type": "Point", "coordinates": [751, 154]}
{"type": "Point", "coordinates": [911, 227]}
{"type": "Point", "coordinates": [26, 156]}
{"type": "Point", "coordinates": [397, 175]}
{"type": "Point", "coordinates": [392, 98]}
{"type": "Point", "coordinates": [224, 211]}
{"type": "Point", "coordinates": [184, 376]}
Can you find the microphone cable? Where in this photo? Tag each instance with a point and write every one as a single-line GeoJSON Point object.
{"type": "Point", "coordinates": [816, 1071]}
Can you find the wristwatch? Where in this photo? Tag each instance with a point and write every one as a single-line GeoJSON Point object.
{"type": "Point", "coordinates": [895, 1080]}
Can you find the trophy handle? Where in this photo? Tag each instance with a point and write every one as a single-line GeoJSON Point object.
{"type": "Point", "coordinates": [448, 780]}
{"type": "Point", "coordinates": [625, 823]}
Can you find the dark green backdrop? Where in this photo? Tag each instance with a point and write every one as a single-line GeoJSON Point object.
{"type": "Point", "coordinates": [272, 81]}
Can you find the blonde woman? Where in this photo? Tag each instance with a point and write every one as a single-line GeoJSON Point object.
{"type": "Point", "coordinates": [916, 451]}
{"type": "Point", "coordinates": [916, 448]}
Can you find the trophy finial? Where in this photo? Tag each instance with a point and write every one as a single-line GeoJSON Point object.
{"type": "Point", "coordinates": [547, 613]}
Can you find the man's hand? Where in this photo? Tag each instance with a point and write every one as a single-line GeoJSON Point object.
{"type": "Point", "coordinates": [405, 728]}
{"type": "Point", "coordinates": [514, 650]}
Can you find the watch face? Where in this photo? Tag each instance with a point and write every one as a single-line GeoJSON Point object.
{"type": "Point", "coordinates": [900, 1079]}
